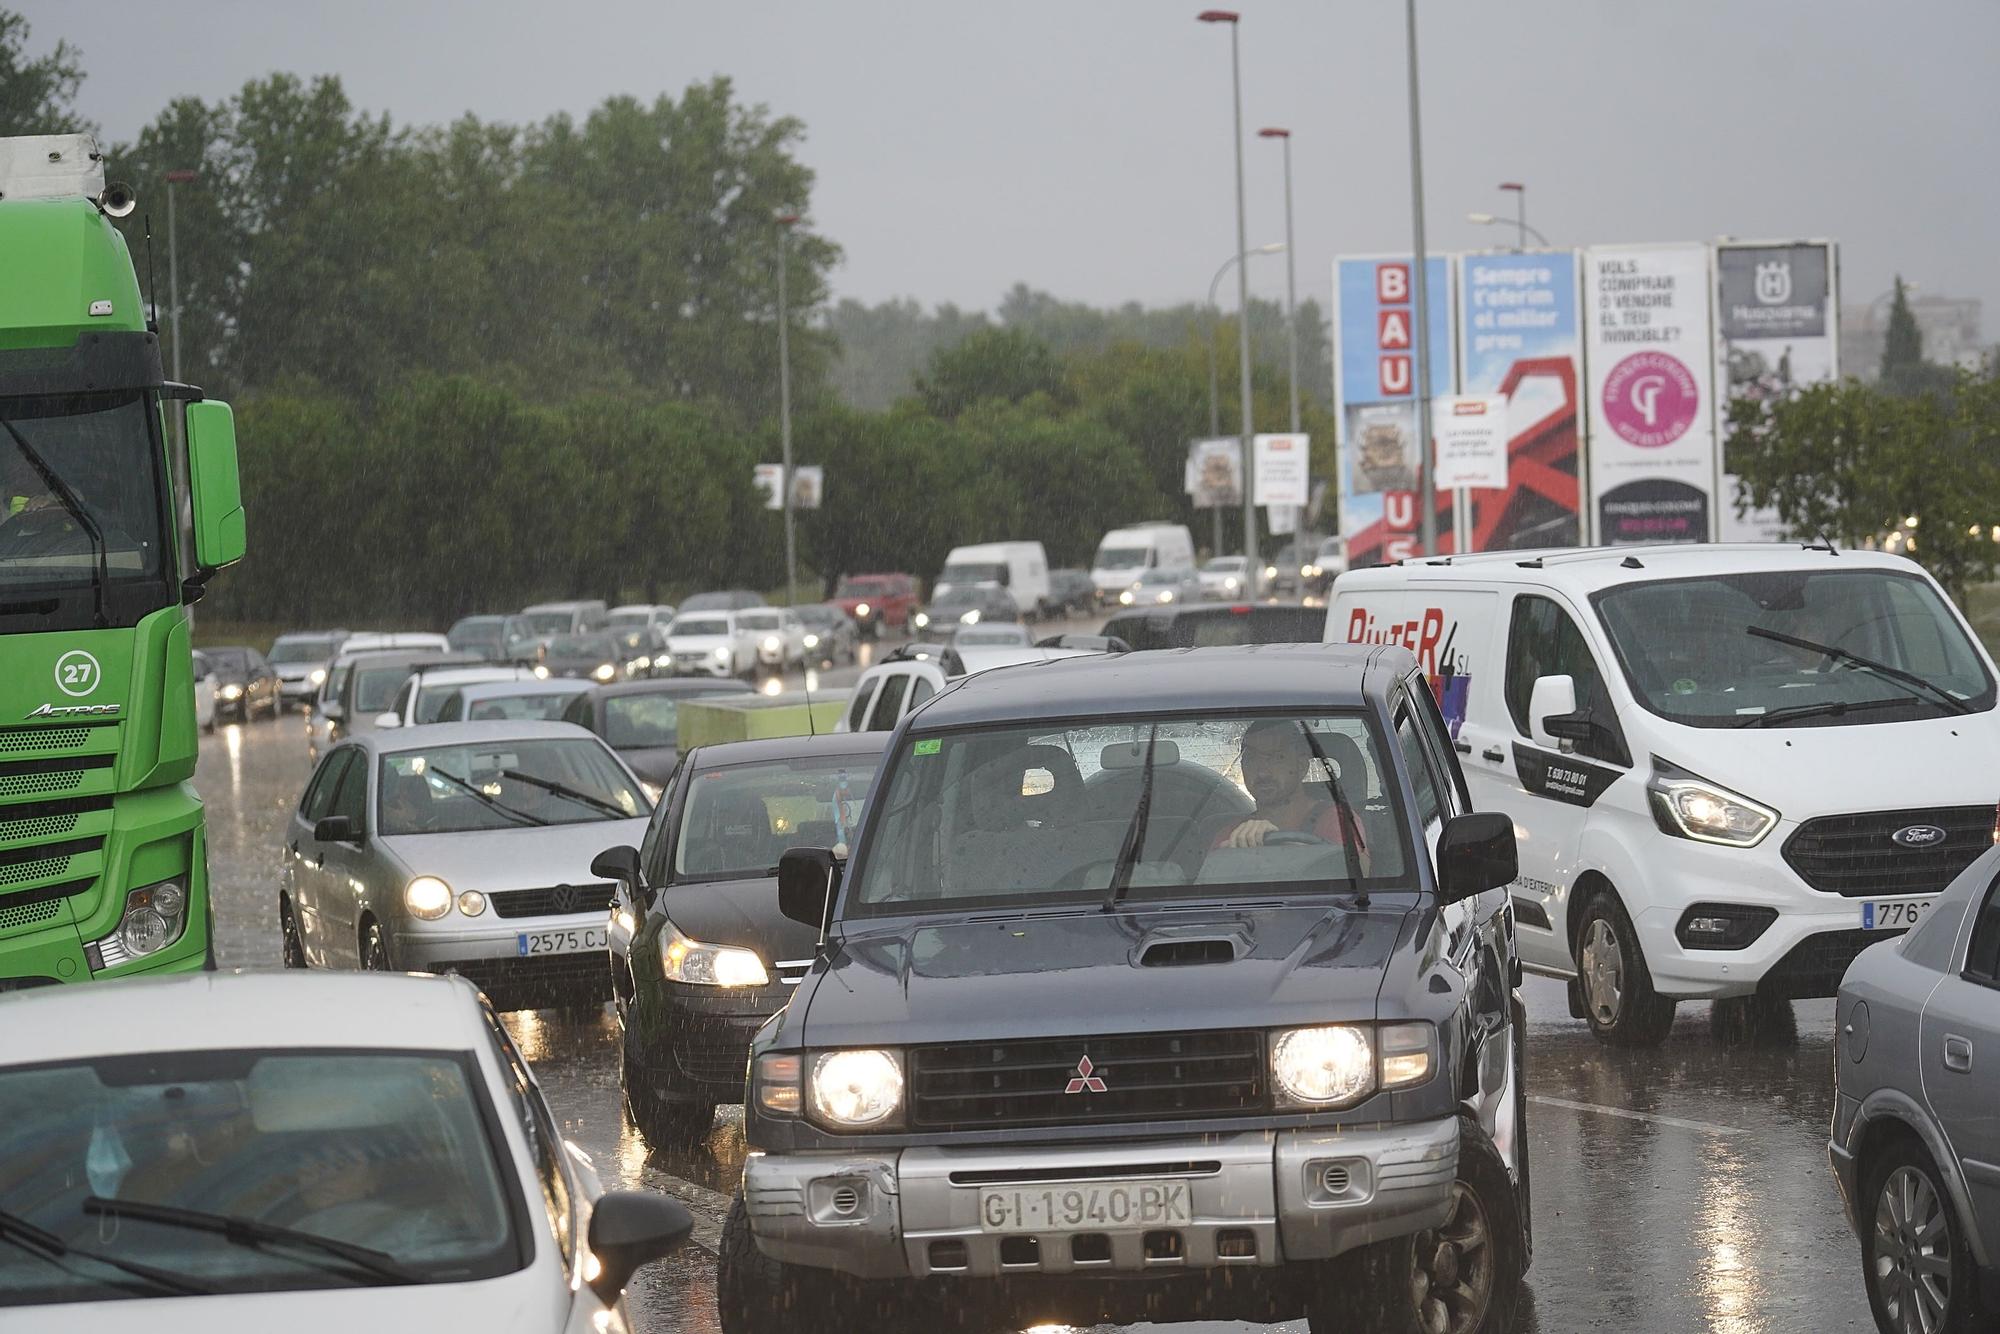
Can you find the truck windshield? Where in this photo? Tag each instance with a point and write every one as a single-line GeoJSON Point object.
{"type": "Point", "coordinates": [1732, 650]}
{"type": "Point", "coordinates": [1174, 807]}
{"type": "Point", "coordinates": [75, 468]}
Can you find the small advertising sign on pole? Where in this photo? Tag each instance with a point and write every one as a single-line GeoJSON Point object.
{"type": "Point", "coordinates": [1283, 462]}
{"type": "Point", "coordinates": [1471, 441]}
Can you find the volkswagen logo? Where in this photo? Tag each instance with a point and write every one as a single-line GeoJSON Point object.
{"type": "Point", "coordinates": [1918, 836]}
{"type": "Point", "coordinates": [565, 897]}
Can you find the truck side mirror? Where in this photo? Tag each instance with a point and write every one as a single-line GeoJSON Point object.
{"type": "Point", "coordinates": [805, 885]}
{"type": "Point", "coordinates": [1476, 853]}
{"type": "Point", "coordinates": [1554, 697]}
{"type": "Point", "coordinates": [219, 537]}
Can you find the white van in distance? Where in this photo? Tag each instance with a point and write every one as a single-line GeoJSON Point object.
{"type": "Point", "coordinates": [1732, 767]}
{"type": "Point", "coordinates": [1126, 553]}
{"type": "Point", "coordinates": [1022, 568]}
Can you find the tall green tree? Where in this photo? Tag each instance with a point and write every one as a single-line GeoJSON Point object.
{"type": "Point", "coordinates": [1903, 346]}
{"type": "Point", "coordinates": [38, 95]}
{"type": "Point", "coordinates": [1006, 365]}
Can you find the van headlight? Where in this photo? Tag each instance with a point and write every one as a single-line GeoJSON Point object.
{"type": "Point", "coordinates": [1686, 806]}
{"type": "Point", "coordinates": [722, 653]}
{"type": "Point", "coordinates": [318, 676]}
{"type": "Point", "coordinates": [427, 897]}
{"type": "Point", "coordinates": [1231, 584]}
{"type": "Point", "coordinates": [1329, 1066]}
{"type": "Point", "coordinates": [857, 1090]}
{"type": "Point", "coordinates": [689, 961]}
{"type": "Point", "coordinates": [922, 618]}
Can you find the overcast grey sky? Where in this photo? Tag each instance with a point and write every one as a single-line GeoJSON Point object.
{"type": "Point", "coordinates": [1082, 146]}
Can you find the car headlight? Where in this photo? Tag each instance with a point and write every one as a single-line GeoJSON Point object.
{"type": "Point", "coordinates": [722, 653]}
{"type": "Point", "coordinates": [857, 1090]}
{"type": "Point", "coordinates": [541, 672]}
{"type": "Point", "coordinates": [1230, 584]}
{"type": "Point", "coordinates": [604, 671]}
{"type": "Point", "coordinates": [1125, 598]}
{"type": "Point", "coordinates": [1307, 571]}
{"type": "Point", "coordinates": [232, 691]}
{"type": "Point", "coordinates": [1270, 572]}
{"type": "Point", "coordinates": [1322, 1067]}
{"type": "Point", "coordinates": [318, 676]}
{"type": "Point", "coordinates": [970, 617]}
{"type": "Point", "coordinates": [690, 961]}
{"type": "Point", "coordinates": [472, 903]}
{"type": "Point", "coordinates": [427, 897]}
{"type": "Point", "coordinates": [860, 609]}
{"type": "Point", "coordinates": [1166, 595]}
{"type": "Point", "coordinates": [640, 664]}
{"type": "Point", "coordinates": [1689, 807]}
{"type": "Point", "coordinates": [812, 641]}
{"type": "Point", "coordinates": [922, 618]}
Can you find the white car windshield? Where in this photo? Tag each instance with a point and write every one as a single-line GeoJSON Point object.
{"type": "Point", "coordinates": [759, 620]}
{"type": "Point", "coordinates": [386, 1150]}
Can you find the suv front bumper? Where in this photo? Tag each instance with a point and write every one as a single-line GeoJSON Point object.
{"type": "Point", "coordinates": [915, 1213]}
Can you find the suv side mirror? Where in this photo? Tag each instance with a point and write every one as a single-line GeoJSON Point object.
{"type": "Point", "coordinates": [218, 491]}
{"type": "Point", "coordinates": [628, 1228]}
{"type": "Point", "coordinates": [805, 885]}
{"type": "Point", "coordinates": [1553, 700]}
{"type": "Point", "coordinates": [1476, 853]}
{"type": "Point", "coordinates": [336, 829]}
{"type": "Point", "coordinates": [620, 864]}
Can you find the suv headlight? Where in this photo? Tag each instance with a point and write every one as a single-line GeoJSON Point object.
{"type": "Point", "coordinates": [1689, 807]}
{"type": "Point", "coordinates": [427, 897]}
{"type": "Point", "coordinates": [688, 960]}
{"type": "Point", "coordinates": [1322, 1067]}
{"type": "Point", "coordinates": [857, 1090]}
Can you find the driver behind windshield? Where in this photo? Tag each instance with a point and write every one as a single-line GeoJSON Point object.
{"type": "Point", "coordinates": [21, 487]}
{"type": "Point", "coordinates": [1278, 767]}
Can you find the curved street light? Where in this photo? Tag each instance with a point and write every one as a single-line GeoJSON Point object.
{"type": "Point", "coordinates": [1488, 220]}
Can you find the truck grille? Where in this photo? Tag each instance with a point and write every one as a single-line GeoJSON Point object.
{"type": "Point", "coordinates": [554, 901]}
{"type": "Point", "coordinates": [42, 777]}
{"type": "Point", "coordinates": [1128, 1077]}
{"type": "Point", "coordinates": [1856, 855]}
{"type": "Point", "coordinates": [42, 738]}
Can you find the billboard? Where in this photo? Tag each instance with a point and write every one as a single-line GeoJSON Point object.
{"type": "Point", "coordinates": [1469, 434]}
{"type": "Point", "coordinates": [1374, 356]}
{"type": "Point", "coordinates": [808, 485]}
{"type": "Point", "coordinates": [1283, 462]}
{"type": "Point", "coordinates": [1776, 331]}
{"type": "Point", "coordinates": [1214, 473]}
{"type": "Point", "coordinates": [1521, 339]}
{"type": "Point", "coordinates": [1653, 465]}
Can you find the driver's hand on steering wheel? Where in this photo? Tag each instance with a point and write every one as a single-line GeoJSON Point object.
{"type": "Point", "coordinates": [1250, 834]}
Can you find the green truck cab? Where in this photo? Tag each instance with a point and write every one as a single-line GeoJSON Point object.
{"type": "Point", "coordinates": [118, 500]}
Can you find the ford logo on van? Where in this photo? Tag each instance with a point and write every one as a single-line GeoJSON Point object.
{"type": "Point", "coordinates": [1918, 835]}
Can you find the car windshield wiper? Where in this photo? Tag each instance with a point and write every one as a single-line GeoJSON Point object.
{"type": "Point", "coordinates": [1135, 833]}
{"type": "Point", "coordinates": [519, 817]}
{"type": "Point", "coordinates": [1350, 828]}
{"type": "Point", "coordinates": [253, 1232]}
{"type": "Point", "coordinates": [101, 568]}
{"type": "Point", "coordinates": [40, 1241]}
{"type": "Point", "coordinates": [569, 793]}
{"type": "Point", "coordinates": [1832, 708]}
{"type": "Point", "coordinates": [1853, 659]}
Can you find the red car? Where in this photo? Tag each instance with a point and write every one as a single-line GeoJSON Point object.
{"type": "Point", "coordinates": [876, 600]}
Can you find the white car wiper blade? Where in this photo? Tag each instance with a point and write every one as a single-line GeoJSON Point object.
{"type": "Point", "coordinates": [1853, 659]}
{"type": "Point", "coordinates": [256, 1233]}
{"type": "Point", "coordinates": [40, 1241]}
{"type": "Point", "coordinates": [519, 817]}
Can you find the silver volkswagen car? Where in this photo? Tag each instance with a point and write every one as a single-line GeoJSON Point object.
{"type": "Point", "coordinates": [461, 848]}
{"type": "Point", "coordinates": [1916, 1123]}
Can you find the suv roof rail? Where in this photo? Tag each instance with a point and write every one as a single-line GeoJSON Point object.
{"type": "Point", "coordinates": [1092, 643]}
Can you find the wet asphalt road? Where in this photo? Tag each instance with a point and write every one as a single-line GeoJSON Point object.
{"type": "Point", "coordinates": [1683, 1189]}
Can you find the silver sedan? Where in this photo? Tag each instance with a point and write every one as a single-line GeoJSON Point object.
{"type": "Point", "coordinates": [462, 848]}
{"type": "Point", "coordinates": [1916, 1128]}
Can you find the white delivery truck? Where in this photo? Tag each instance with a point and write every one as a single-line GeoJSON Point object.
{"type": "Point", "coordinates": [1732, 768]}
{"type": "Point", "coordinates": [1022, 568]}
{"type": "Point", "coordinates": [1126, 553]}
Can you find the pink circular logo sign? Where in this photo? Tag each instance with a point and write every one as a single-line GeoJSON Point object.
{"type": "Point", "coordinates": [1650, 399]}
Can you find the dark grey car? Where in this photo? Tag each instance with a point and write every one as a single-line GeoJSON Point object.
{"type": "Point", "coordinates": [641, 719]}
{"type": "Point", "coordinates": [1916, 1127]}
{"type": "Point", "coordinates": [1161, 987]}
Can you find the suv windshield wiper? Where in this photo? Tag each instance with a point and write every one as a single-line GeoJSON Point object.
{"type": "Point", "coordinates": [1350, 828]}
{"type": "Point", "coordinates": [568, 793]}
{"type": "Point", "coordinates": [1832, 708]}
{"type": "Point", "coordinates": [1135, 833]}
{"type": "Point", "coordinates": [101, 567]}
{"type": "Point", "coordinates": [255, 1233]}
{"type": "Point", "coordinates": [520, 817]}
{"type": "Point", "coordinates": [40, 1241]}
{"type": "Point", "coordinates": [1853, 659]}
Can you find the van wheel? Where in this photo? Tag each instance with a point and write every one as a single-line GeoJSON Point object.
{"type": "Point", "coordinates": [1916, 1265]}
{"type": "Point", "coordinates": [1461, 1278]}
{"type": "Point", "coordinates": [1618, 997]}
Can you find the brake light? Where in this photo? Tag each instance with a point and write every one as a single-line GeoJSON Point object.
{"type": "Point", "coordinates": [1241, 610]}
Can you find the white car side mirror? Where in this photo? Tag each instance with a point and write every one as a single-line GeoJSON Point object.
{"type": "Point", "coordinates": [388, 720]}
{"type": "Point", "coordinates": [1553, 696]}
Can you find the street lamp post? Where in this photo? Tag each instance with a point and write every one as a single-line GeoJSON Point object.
{"type": "Point", "coordinates": [1520, 192]}
{"type": "Point", "coordinates": [1426, 476]}
{"type": "Point", "coordinates": [1214, 318]}
{"type": "Point", "coordinates": [1291, 272]}
{"type": "Point", "coordinates": [177, 177]}
{"type": "Point", "coordinates": [786, 221]}
{"type": "Point", "coordinates": [1231, 18]}
{"type": "Point", "coordinates": [1489, 219]}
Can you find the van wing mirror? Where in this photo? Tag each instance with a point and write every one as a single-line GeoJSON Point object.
{"type": "Point", "coordinates": [219, 535]}
{"type": "Point", "coordinates": [1476, 853]}
{"type": "Point", "coordinates": [805, 885]}
{"type": "Point", "coordinates": [1553, 700]}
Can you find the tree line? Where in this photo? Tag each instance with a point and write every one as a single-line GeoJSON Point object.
{"type": "Point", "coordinates": [479, 364]}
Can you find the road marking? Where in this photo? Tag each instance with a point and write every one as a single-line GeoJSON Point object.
{"type": "Point", "coordinates": [1699, 1127]}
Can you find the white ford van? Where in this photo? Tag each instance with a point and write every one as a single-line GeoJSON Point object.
{"type": "Point", "coordinates": [1732, 768]}
{"type": "Point", "coordinates": [1126, 553]}
{"type": "Point", "coordinates": [1021, 568]}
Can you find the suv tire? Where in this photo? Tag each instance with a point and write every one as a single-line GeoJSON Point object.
{"type": "Point", "coordinates": [755, 1294]}
{"type": "Point", "coordinates": [1902, 1194]}
{"type": "Point", "coordinates": [1620, 1004]}
{"type": "Point", "coordinates": [660, 1121]}
{"type": "Point", "coordinates": [1463, 1278]}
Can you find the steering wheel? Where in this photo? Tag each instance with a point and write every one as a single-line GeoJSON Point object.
{"type": "Point", "coordinates": [1295, 838]}
{"type": "Point", "coordinates": [39, 532]}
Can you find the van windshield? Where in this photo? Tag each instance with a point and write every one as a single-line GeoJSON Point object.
{"type": "Point", "coordinates": [971, 573]}
{"type": "Point", "coordinates": [1121, 558]}
{"type": "Point", "coordinates": [1800, 648]}
{"type": "Point", "coordinates": [1056, 813]}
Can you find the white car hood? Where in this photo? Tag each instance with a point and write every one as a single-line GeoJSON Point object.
{"type": "Point", "coordinates": [530, 857]}
{"type": "Point", "coordinates": [512, 1304]}
{"type": "Point", "coordinates": [698, 643]}
{"type": "Point", "coordinates": [1803, 772]}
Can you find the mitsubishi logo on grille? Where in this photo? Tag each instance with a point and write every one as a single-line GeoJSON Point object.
{"type": "Point", "coordinates": [564, 899]}
{"type": "Point", "coordinates": [1086, 1081]}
